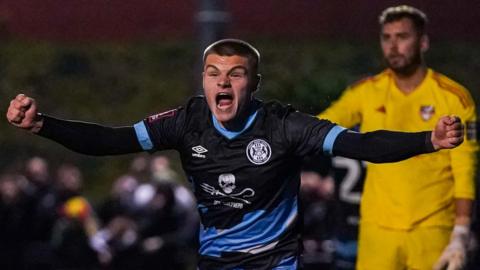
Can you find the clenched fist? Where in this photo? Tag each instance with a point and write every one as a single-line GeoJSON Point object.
{"type": "Point", "coordinates": [22, 113]}
{"type": "Point", "coordinates": [448, 133]}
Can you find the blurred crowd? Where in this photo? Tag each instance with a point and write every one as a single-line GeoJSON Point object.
{"type": "Point", "coordinates": [46, 221]}
{"type": "Point", "coordinates": [149, 219]}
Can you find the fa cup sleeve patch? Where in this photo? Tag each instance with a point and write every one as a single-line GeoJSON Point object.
{"type": "Point", "coordinates": [162, 115]}
{"type": "Point", "coordinates": [472, 130]}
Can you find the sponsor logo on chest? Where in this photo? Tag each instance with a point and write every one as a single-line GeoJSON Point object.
{"type": "Point", "coordinates": [227, 190]}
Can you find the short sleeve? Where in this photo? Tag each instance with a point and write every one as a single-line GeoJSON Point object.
{"type": "Point", "coordinates": [161, 131]}
{"type": "Point", "coordinates": [308, 135]}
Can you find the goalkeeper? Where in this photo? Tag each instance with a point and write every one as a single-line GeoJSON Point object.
{"type": "Point", "coordinates": [415, 214]}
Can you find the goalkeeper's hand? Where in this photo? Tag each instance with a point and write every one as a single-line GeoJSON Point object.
{"type": "Point", "coordinates": [454, 256]}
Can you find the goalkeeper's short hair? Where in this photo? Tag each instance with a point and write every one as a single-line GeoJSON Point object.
{"type": "Point", "coordinates": [395, 13]}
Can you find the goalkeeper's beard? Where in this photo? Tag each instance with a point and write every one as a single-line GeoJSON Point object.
{"type": "Point", "coordinates": [409, 66]}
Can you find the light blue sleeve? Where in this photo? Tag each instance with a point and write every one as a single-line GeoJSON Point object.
{"type": "Point", "coordinates": [330, 139]}
{"type": "Point", "coordinates": [142, 136]}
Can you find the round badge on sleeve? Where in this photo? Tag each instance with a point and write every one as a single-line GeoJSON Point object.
{"type": "Point", "coordinates": [258, 151]}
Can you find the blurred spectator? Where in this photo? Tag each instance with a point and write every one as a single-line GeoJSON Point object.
{"type": "Point", "coordinates": [36, 170]}
{"type": "Point", "coordinates": [76, 223]}
{"type": "Point", "coordinates": [167, 226]}
{"type": "Point", "coordinates": [120, 200]}
{"type": "Point", "coordinates": [13, 222]}
{"type": "Point", "coordinates": [149, 223]}
{"type": "Point", "coordinates": [119, 231]}
{"type": "Point", "coordinates": [316, 194]}
{"type": "Point", "coordinates": [140, 168]}
{"type": "Point", "coordinates": [349, 177]}
{"type": "Point", "coordinates": [42, 197]}
{"type": "Point", "coordinates": [42, 214]}
{"type": "Point", "coordinates": [331, 190]}
{"type": "Point", "coordinates": [69, 182]}
{"type": "Point", "coordinates": [160, 169]}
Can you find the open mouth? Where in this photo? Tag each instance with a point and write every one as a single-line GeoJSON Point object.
{"type": "Point", "coordinates": [224, 100]}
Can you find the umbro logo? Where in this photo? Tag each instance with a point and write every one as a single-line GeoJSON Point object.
{"type": "Point", "coordinates": [199, 151]}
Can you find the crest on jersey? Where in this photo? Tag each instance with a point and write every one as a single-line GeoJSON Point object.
{"type": "Point", "coordinates": [426, 112]}
{"type": "Point", "coordinates": [258, 151]}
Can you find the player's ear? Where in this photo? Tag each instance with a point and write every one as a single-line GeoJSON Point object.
{"type": "Point", "coordinates": [424, 43]}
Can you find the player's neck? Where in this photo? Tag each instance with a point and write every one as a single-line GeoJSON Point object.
{"type": "Point", "coordinates": [407, 83]}
{"type": "Point", "coordinates": [239, 122]}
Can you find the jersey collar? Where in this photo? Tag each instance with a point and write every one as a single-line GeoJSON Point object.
{"type": "Point", "coordinates": [233, 134]}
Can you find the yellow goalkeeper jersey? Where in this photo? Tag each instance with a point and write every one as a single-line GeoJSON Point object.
{"type": "Point", "coordinates": [419, 191]}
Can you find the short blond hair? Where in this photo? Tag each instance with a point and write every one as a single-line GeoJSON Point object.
{"type": "Point", "coordinates": [395, 13]}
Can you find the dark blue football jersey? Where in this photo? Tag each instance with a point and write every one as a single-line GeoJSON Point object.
{"type": "Point", "coordinates": [246, 183]}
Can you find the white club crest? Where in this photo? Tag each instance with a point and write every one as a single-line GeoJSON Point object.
{"type": "Point", "coordinates": [426, 112]}
{"type": "Point", "coordinates": [258, 151]}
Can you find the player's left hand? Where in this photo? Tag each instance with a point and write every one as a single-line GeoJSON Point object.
{"type": "Point", "coordinates": [448, 133]}
{"type": "Point", "coordinates": [454, 256]}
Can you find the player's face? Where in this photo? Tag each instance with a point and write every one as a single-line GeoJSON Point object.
{"type": "Point", "coordinates": [227, 83]}
{"type": "Point", "coordinates": [402, 46]}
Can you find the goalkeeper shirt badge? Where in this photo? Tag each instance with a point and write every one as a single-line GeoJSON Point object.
{"type": "Point", "coordinates": [258, 151]}
{"type": "Point", "coordinates": [426, 112]}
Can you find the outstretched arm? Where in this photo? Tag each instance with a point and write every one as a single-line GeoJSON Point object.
{"type": "Point", "coordinates": [388, 146]}
{"type": "Point", "coordinates": [82, 137]}
{"type": "Point", "coordinates": [23, 114]}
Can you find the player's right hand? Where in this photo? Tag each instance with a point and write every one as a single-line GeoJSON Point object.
{"type": "Point", "coordinates": [22, 113]}
{"type": "Point", "coordinates": [454, 256]}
